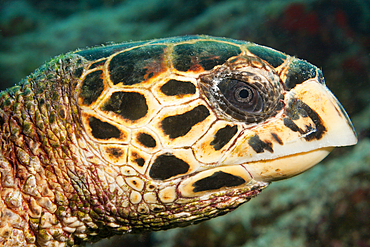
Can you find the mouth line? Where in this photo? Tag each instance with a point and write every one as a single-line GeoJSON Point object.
{"type": "Point", "coordinates": [283, 167]}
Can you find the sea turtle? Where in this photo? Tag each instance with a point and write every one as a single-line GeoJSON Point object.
{"type": "Point", "coordinates": [156, 134]}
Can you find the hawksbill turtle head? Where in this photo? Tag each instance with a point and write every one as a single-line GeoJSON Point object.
{"type": "Point", "coordinates": [209, 114]}
{"type": "Point", "coordinates": [156, 134]}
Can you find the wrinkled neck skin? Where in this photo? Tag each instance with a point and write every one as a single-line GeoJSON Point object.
{"type": "Point", "coordinates": [55, 186]}
{"type": "Point", "coordinates": [42, 169]}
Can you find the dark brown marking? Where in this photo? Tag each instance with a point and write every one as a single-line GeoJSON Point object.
{"type": "Point", "coordinates": [135, 157]}
{"type": "Point", "coordinates": [137, 65]}
{"type": "Point", "coordinates": [92, 87]}
{"type": "Point", "coordinates": [166, 166]}
{"type": "Point", "coordinates": [295, 110]}
{"type": "Point", "coordinates": [180, 125]}
{"type": "Point", "coordinates": [223, 136]}
{"type": "Point", "coordinates": [299, 71]}
{"type": "Point", "coordinates": [274, 58]}
{"type": "Point", "coordinates": [140, 162]}
{"type": "Point", "coordinates": [260, 146]}
{"type": "Point", "coordinates": [277, 138]}
{"type": "Point", "coordinates": [151, 187]}
{"type": "Point", "coordinates": [146, 140]}
{"type": "Point", "coordinates": [157, 209]}
{"type": "Point", "coordinates": [115, 152]}
{"type": "Point", "coordinates": [216, 181]}
{"type": "Point", "coordinates": [103, 130]}
{"type": "Point", "coordinates": [206, 54]}
{"type": "Point", "coordinates": [129, 105]}
{"type": "Point", "coordinates": [175, 87]}
{"type": "Point", "coordinates": [291, 125]}
{"type": "Point", "coordinates": [319, 126]}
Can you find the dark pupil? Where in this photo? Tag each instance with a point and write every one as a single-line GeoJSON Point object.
{"type": "Point", "coordinates": [243, 94]}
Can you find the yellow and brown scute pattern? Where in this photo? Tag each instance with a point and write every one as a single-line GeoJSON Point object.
{"type": "Point", "coordinates": [145, 136]}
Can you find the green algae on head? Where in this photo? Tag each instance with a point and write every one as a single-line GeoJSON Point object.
{"type": "Point", "coordinates": [153, 135]}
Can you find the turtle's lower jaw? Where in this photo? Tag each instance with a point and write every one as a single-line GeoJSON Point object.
{"type": "Point", "coordinates": [287, 166]}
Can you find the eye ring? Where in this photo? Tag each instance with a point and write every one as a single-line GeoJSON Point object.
{"type": "Point", "coordinates": [240, 92]}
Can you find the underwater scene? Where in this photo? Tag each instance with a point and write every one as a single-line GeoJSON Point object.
{"type": "Point", "coordinates": [328, 205]}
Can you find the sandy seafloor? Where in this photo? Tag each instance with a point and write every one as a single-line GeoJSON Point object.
{"type": "Point", "coordinates": [328, 205]}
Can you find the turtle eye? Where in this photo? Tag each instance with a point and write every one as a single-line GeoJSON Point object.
{"type": "Point", "coordinates": [241, 95]}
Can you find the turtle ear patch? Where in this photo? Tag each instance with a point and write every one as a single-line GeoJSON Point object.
{"type": "Point", "coordinates": [129, 105]}
{"type": "Point", "coordinates": [144, 139]}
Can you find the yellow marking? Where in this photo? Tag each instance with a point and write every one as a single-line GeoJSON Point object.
{"type": "Point", "coordinates": [136, 156]}
{"type": "Point", "coordinates": [120, 181]}
{"type": "Point", "coordinates": [150, 197]}
{"type": "Point", "coordinates": [113, 153]}
{"type": "Point", "coordinates": [135, 183]}
{"type": "Point", "coordinates": [167, 194]}
{"type": "Point", "coordinates": [128, 171]}
{"type": "Point", "coordinates": [135, 197]}
{"type": "Point", "coordinates": [203, 149]}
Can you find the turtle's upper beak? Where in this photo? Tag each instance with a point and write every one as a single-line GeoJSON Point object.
{"type": "Point", "coordinates": [312, 123]}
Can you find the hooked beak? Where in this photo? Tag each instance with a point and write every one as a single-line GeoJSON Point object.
{"type": "Point", "coordinates": [311, 125]}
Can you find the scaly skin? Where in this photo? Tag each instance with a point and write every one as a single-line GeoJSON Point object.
{"type": "Point", "coordinates": [55, 191]}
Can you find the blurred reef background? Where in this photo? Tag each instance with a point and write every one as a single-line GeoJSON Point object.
{"type": "Point", "coordinates": [326, 206]}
